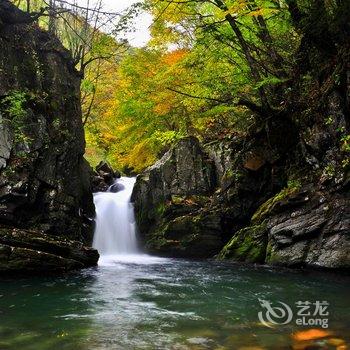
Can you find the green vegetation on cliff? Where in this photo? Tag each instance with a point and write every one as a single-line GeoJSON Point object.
{"type": "Point", "coordinates": [248, 244]}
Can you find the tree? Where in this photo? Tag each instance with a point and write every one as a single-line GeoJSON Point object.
{"type": "Point", "coordinates": [244, 26]}
{"type": "Point", "coordinates": [83, 31]}
{"type": "Point", "coordinates": [210, 69]}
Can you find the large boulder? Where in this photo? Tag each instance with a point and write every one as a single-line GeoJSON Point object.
{"type": "Point", "coordinates": [184, 170]}
{"type": "Point", "coordinates": [44, 180]}
{"type": "Point", "coordinates": [176, 185]}
{"type": "Point", "coordinates": [189, 203]}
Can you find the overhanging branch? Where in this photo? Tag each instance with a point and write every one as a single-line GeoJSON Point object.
{"type": "Point", "coordinates": [232, 101]}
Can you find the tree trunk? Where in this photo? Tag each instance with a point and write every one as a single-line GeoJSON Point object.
{"type": "Point", "coordinates": [254, 69]}
{"type": "Point", "coordinates": [52, 24]}
{"type": "Point", "coordinates": [265, 37]}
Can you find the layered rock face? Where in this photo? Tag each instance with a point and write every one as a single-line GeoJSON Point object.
{"type": "Point", "coordinates": [301, 228]}
{"type": "Point", "coordinates": [282, 205]}
{"type": "Point", "coordinates": [45, 189]}
{"type": "Point", "coordinates": [307, 222]}
{"type": "Point", "coordinates": [311, 229]}
{"type": "Point", "coordinates": [35, 252]}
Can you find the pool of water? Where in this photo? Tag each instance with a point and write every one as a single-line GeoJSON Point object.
{"type": "Point", "coordinates": [153, 303]}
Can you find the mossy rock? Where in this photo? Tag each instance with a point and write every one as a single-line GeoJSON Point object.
{"type": "Point", "coordinates": [172, 233]}
{"type": "Point", "coordinates": [248, 244]}
{"type": "Point", "coordinates": [266, 208]}
{"type": "Point", "coordinates": [271, 256]}
{"type": "Point", "coordinates": [195, 236]}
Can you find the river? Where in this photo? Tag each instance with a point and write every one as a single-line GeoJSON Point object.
{"type": "Point", "coordinates": [150, 303]}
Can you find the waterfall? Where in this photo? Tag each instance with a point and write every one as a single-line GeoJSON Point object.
{"type": "Point", "coordinates": [115, 232]}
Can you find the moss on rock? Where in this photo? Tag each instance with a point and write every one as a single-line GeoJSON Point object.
{"type": "Point", "coordinates": [248, 244]}
{"type": "Point", "coordinates": [263, 211]}
{"type": "Point", "coordinates": [190, 235]}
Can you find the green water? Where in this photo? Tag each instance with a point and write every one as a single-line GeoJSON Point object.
{"type": "Point", "coordinates": [164, 304]}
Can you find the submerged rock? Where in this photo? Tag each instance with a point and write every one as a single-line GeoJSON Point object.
{"type": "Point", "coordinates": [44, 180]}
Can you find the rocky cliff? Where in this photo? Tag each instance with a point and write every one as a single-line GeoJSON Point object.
{"type": "Point", "coordinates": [189, 203]}
{"type": "Point", "coordinates": [46, 202]}
{"type": "Point", "coordinates": [257, 208]}
{"type": "Point", "coordinates": [279, 195]}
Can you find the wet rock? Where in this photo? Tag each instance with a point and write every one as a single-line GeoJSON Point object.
{"type": "Point", "coordinates": [103, 177]}
{"type": "Point", "coordinates": [117, 187]}
{"type": "Point", "coordinates": [35, 252]}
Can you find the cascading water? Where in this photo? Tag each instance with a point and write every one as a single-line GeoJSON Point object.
{"type": "Point", "coordinates": [115, 232]}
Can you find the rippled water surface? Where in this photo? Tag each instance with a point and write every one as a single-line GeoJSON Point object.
{"type": "Point", "coordinates": [151, 303]}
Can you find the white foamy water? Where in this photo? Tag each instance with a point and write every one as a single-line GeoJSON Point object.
{"type": "Point", "coordinates": [115, 232]}
{"type": "Point", "coordinates": [126, 259]}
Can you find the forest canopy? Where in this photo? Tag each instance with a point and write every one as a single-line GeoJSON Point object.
{"type": "Point", "coordinates": [212, 68]}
